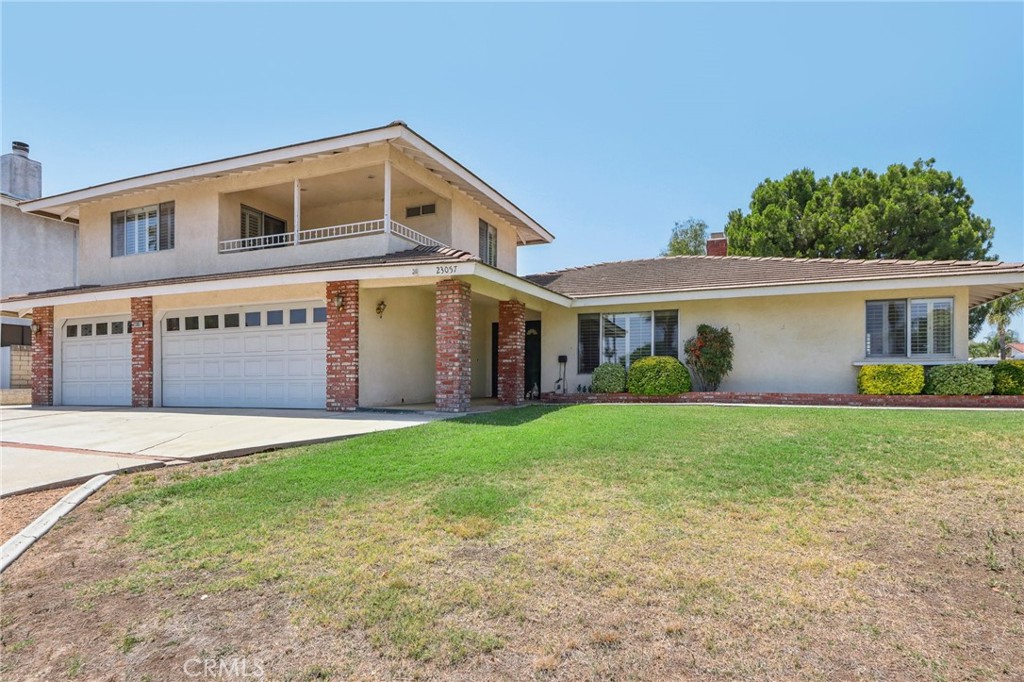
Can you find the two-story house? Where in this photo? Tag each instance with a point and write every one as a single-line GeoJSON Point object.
{"type": "Point", "coordinates": [372, 269]}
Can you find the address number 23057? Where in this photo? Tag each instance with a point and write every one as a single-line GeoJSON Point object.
{"type": "Point", "coordinates": [447, 269]}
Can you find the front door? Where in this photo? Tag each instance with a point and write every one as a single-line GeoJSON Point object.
{"type": "Point", "coordinates": [531, 369]}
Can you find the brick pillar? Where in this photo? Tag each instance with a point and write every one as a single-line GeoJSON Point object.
{"type": "Point", "coordinates": [42, 357]}
{"type": "Point", "coordinates": [453, 330]}
{"type": "Point", "coordinates": [343, 346]}
{"type": "Point", "coordinates": [142, 352]}
{"type": "Point", "coordinates": [511, 352]}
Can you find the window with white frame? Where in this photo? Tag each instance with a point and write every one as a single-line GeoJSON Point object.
{"type": "Point", "coordinates": [488, 243]}
{"type": "Point", "coordinates": [625, 337]}
{"type": "Point", "coordinates": [142, 230]}
{"type": "Point", "coordinates": [917, 327]}
{"type": "Point", "coordinates": [256, 223]}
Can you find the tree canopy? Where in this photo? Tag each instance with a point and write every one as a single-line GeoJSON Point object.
{"type": "Point", "coordinates": [689, 238]}
{"type": "Point", "coordinates": [919, 212]}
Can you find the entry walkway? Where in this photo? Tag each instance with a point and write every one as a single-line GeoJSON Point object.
{"type": "Point", "coordinates": [46, 447]}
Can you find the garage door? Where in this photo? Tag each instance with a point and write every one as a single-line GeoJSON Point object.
{"type": "Point", "coordinates": [268, 356]}
{"type": "Point", "coordinates": [96, 362]}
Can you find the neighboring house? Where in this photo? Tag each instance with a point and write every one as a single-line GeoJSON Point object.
{"type": "Point", "coordinates": [37, 252]}
{"type": "Point", "coordinates": [1016, 351]}
{"type": "Point", "coordinates": [372, 269]}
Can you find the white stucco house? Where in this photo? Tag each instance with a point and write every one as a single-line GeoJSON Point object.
{"type": "Point", "coordinates": [372, 269]}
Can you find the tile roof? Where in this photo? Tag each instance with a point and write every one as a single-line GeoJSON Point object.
{"type": "Point", "coordinates": [420, 254]}
{"type": "Point", "coordinates": [695, 273]}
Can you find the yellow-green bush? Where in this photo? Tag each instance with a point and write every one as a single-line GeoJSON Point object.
{"type": "Point", "coordinates": [1008, 377]}
{"type": "Point", "coordinates": [658, 375]}
{"type": "Point", "coordinates": [890, 379]}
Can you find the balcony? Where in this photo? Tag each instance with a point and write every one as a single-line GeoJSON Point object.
{"type": "Point", "coordinates": [328, 233]}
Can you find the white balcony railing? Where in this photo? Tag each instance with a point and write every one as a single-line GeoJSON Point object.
{"type": "Point", "coordinates": [320, 234]}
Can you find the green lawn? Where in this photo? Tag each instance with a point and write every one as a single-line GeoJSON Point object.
{"type": "Point", "coordinates": [780, 542]}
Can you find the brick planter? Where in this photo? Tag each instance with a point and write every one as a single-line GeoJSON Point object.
{"type": "Point", "coordinates": [42, 357]}
{"type": "Point", "coordinates": [142, 352]}
{"type": "Point", "coordinates": [847, 399]}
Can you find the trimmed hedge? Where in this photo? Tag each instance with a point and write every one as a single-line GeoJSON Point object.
{"type": "Point", "coordinates": [890, 379]}
{"type": "Point", "coordinates": [1008, 377]}
{"type": "Point", "coordinates": [609, 378]}
{"type": "Point", "coordinates": [963, 379]}
{"type": "Point", "coordinates": [659, 375]}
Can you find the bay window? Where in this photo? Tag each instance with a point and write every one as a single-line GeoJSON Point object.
{"type": "Point", "coordinates": [625, 337]}
{"type": "Point", "coordinates": [900, 328]}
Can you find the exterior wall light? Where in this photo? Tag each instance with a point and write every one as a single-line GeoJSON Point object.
{"type": "Point", "coordinates": [35, 328]}
{"type": "Point", "coordinates": [339, 301]}
{"type": "Point", "coordinates": [381, 307]}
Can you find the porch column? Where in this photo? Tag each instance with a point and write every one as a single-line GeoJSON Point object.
{"type": "Point", "coordinates": [453, 330]}
{"type": "Point", "coordinates": [387, 196]}
{"type": "Point", "coordinates": [296, 210]}
{"type": "Point", "coordinates": [42, 357]}
{"type": "Point", "coordinates": [511, 352]}
{"type": "Point", "coordinates": [343, 345]}
{"type": "Point", "coordinates": [142, 351]}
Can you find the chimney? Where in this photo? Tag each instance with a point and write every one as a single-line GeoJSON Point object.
{"type": "Point", "coordinates": [20, 176]}
{"type": "Point", "coordinates": [718, 245]}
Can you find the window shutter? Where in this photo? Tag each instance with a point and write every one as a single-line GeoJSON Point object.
{"type": "Point", "coordinates": [166, 239]}
{"type": "Point", "coordinates": [483, 241]}
{"type": "Point", "coordinates": [589, 349]}
{"type": "Point", "coordinates": [252, 223]}
{"type": "Point", "coordinates": [117, 233]}
{"type": "Point", "coordinates": [666, 333]}
{"type": "Point", "coordinates": [942, 327]}
{"type": "Point", "coordinates": [492, 245]}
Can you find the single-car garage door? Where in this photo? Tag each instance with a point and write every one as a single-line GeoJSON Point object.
{"type": "Point", "coordinates": [252, 356]}
{"type": "Point", "coordinates": [96, 362]}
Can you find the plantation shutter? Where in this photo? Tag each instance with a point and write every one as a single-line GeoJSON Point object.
{"type": "Point", "coordinates": [252, 223]}
{"type": "Point", "coordinates": [942, 327]}
{"type": "Point", "coordinates": [666, 333]}
{"type": "Point", "coordinates": [117, 233]}
{"type": "Point", "coordinates": [492, 245]}
{"type": "Point", "coordinates": [483, 241]}
{"type": "Point", "coordinates": [886, 328]}
{"type": "Point", "coordinates": [588, 355]}
{"type": "Point", "coordinates": [166, 229]}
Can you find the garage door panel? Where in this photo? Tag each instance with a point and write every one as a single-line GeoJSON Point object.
{"type": "Point", "coordinates": [95, 369]}
{"type": "Point", "coordinates": [278, 366]}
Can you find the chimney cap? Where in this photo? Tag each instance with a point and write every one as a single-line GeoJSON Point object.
{"type": "Point", "coordinates": [717, 235]}
{"type": "Point", "coordinates": [19, 147]}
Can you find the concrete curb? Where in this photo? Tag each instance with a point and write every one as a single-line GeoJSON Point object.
{"type": "Point", "coordinates": [16, 546]}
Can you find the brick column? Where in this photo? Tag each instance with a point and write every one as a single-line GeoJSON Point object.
{"type": "Point", "coordinates": [42, 357]}
{"type": "Point", "coordinates": [453, 330]}
{"type": "Point", "coordinates": [142, 352]}
{"type": "Point", "coordinates": [343, 346]}
{"type": "Point", "coordinates": [511, 352]}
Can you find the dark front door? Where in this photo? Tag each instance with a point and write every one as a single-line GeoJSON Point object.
{"type": "Point", "coordinates": [532, 364]}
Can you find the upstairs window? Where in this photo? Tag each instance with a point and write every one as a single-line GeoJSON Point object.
{"type": "Point", "coordinates": [142, 230]}
{"type": "Point", "coordinates": [425, 209]}
{"type": "Point", "coordinates": [256, 223]}
{"type": "Point", "coordinates": [488, 244]}
{"type": "Point", "coordinates": [902, 328]}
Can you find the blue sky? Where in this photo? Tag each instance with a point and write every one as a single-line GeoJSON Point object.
{"type": "Point", "coordinates": [605, 122]}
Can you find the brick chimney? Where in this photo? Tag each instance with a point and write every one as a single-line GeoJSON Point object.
{"type": "Point", "coordinates": [20, 176]}
{"type": "Point", "coordinates": [718, 245]}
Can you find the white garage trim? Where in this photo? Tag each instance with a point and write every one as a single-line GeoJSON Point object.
{"type": "Point", "coordinates": [267, 355]}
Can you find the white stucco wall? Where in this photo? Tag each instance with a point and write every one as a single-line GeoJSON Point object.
{"type": "Point", "coordinates": [799, 343]}
{"type": "Point", "coordinates": [36, 253]}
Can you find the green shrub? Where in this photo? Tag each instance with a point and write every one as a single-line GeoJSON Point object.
{"type": "Point", "coordinates": [709, 355]}
{"type": "Point", "coordinates": [609, 378]}
{"type": "Point", "coordinates": [890, 379]}
{"type": "Point", "coordinates": [659, 375]}
{"type": "Point", "coordinates": [1008, 377]}
{"type": "Point", "coordinates": [965, 379]}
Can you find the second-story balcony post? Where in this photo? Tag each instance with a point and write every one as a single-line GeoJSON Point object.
{"type": "Point", "coordinates": [297, 208]}
{"type": "Point", "coordinates": [387, 196]}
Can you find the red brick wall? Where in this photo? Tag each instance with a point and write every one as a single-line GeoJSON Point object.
{"type": "Point", "coordinates": [854, 400]}
{"type": "Point", "coordinates": [42, 357]}
{"type": "Point", "coordinates": [142, 352]}
{"type": "Point", "coordinates": [343, 346]}
{"type": "Point", "coordinates": [453, 329]}
{"type": "Point", "coordinates": [718, 247]}
{"type": "Point", "coordinates": [511, 352]}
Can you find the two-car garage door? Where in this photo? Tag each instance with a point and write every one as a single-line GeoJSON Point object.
{"type": "Point", "coordinates": [255, 356]}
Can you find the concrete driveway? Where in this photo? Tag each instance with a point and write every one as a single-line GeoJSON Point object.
{"type": "Point", "coordinates": [44, 447]}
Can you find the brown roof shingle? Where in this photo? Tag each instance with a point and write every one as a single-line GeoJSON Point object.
{"type": "Point", "coordinates": [695, 273]}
